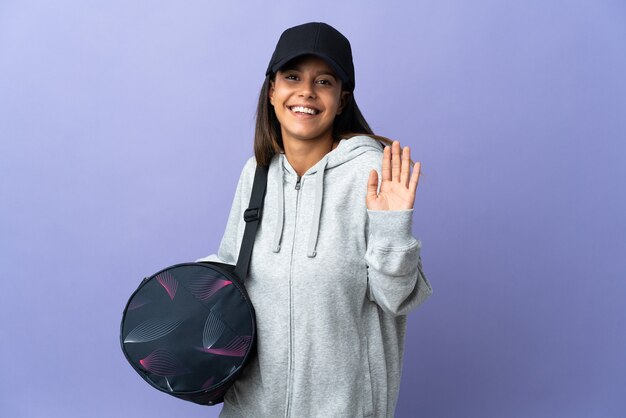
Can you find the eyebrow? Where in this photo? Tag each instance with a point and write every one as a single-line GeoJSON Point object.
{"type": "Point", "coordinates": [298, 68]}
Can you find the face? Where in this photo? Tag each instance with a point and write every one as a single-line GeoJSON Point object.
{"type": "Point", "coordinates": [306, 95]}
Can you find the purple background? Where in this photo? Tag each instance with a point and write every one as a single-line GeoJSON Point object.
{"type": "Point", "coordinates": [124, 127]}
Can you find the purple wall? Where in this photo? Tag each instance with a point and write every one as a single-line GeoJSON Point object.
{"type": "Point", "coordinates": [124, 127]}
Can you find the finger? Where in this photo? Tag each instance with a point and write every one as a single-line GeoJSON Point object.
{"type": "Point", "coordinates": [415, 176]}
{"type": "Point", "coordinates": [395, 161]}
{"type": "Point", "coordinates": [372, 185]}
{"type": "Point", "coordinates": [386, 170]}
{"type": "Point", "coordinates": [405, 169]}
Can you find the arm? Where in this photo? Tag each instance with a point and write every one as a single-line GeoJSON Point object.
{"type": "Point", "coordinates": [396, 281]}
{"type": "Point", "coordinates": [233, 235]}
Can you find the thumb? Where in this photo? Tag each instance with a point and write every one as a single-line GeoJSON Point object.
{"type": "Point", "coordinates": [372, 185]}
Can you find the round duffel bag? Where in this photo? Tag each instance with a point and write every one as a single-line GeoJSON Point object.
{"type": "Point", "coordinates": [189, 329]}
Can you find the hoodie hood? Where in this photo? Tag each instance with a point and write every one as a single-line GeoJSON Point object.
{"type": "Point", "coordinates": [347, 150]}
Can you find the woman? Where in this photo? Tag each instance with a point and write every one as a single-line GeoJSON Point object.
{"type": "Point", "coordinates": [335, 268]}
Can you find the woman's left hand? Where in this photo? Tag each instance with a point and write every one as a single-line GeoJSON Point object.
{"type": "Point", "coordinates": [397, 190]}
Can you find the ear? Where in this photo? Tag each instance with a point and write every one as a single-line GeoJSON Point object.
{"type": "Point", "coordinates": [270, 93]}
{"type": "Point", "coordinates": [343, 99]}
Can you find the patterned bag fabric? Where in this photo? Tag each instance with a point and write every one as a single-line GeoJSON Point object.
{"type": "Point", "coordinates": [190, 329]}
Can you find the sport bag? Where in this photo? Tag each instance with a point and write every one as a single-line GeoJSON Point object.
{"type": "Point", "coordinates": [190, 329]}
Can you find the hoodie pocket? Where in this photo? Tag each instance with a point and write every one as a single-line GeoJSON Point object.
{"type": "Point", "coordinates": [368, 399]}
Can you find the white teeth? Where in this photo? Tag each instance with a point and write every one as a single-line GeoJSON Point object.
{"type": "Point", "coordinates": [302, 109]}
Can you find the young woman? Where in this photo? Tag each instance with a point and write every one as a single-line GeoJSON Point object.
{"type": "Point", "coordinates": [335, 268]}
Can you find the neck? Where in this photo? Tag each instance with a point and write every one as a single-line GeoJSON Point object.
{"type": "Point", "coordinates": [303, 155]}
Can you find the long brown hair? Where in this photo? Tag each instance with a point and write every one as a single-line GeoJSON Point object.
{"type": "Point", "coordinates": [267, 134]}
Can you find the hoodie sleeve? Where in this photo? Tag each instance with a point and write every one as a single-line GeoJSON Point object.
{"type": "Point", "coordinates": [396, 281]}
{"type": "Point", "coordinates": [233, 235]}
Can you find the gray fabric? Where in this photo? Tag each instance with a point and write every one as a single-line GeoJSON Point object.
{"type": "Point", "coordinates": [331, 283]}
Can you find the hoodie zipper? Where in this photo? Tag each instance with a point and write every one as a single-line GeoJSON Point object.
{"type": "Point", "coordinates": [290, 368]}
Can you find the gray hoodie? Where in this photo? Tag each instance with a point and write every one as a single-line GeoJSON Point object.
{"type": "Point", "coordinates": [331, 283]}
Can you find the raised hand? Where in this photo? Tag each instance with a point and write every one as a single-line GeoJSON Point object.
{"type": "Point", "coordinates": [397, 190]}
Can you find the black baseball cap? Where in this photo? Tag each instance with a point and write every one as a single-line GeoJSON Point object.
{"type": "Point", "coordinates": [318, 39]}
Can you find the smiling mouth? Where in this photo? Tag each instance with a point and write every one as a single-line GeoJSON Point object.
{"type": "Point", "coordinates": [304, 110]}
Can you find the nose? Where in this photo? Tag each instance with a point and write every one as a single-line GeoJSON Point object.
{"type": "Point", "coordinates": [308, 89]}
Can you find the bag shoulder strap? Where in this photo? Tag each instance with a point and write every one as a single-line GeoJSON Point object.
{"type": "Point", "coordinates": [252, 216]}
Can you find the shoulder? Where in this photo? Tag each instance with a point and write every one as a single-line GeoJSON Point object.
{"type": "Point", "coordinates": [250, 164]}
{"type": "Point", "coordinates": [249, 168]}
{"type": "Point", "coordinates": [246, 177]}
{"type": "Point", "coordinates": [248, 172]}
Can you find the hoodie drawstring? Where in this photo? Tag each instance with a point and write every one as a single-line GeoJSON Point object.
{"type": "Point", "coordinates": [278, 234]}
{"type": "Point", "coordinates": [315, 222]}
{"type": "Point", "coordinates": [347, 150]}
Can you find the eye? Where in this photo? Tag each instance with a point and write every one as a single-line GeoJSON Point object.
{"type": "Point", "coordinates": [291, 76]}
{"type": "Point", "coordinates": [325, 82]}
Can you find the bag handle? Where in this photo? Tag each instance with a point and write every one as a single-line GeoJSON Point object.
{"type": "Point", "coordinates": [252, 216]}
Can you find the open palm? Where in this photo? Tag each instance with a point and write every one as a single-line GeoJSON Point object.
{"type": "Point", "coordinates": [397, 189]}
